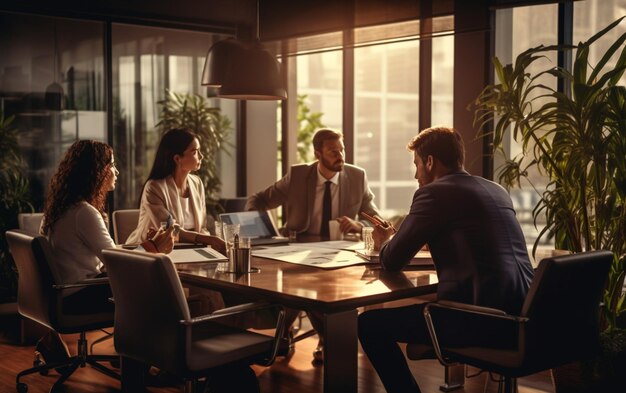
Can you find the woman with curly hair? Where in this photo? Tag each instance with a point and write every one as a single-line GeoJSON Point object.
{"type": "Point", "coordinates": [75, 220]}
{"type": "Point", "coordinates": [75, 223]}
{"type": "Point", "coordinates": [173, 191]}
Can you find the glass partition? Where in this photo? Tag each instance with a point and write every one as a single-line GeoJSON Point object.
{"type": "Point", "coordinates": [52, 80]}
{"type": "Point", "coordinates": [146, 62]}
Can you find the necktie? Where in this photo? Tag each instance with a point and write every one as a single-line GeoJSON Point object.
{"type": "Point", "coordinates": [326, 210]}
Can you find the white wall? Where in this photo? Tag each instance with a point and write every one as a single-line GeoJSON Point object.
{"type": "Point", "coordinates": [261, 145]}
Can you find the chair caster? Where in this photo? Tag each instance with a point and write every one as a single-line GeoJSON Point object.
{"type": "Point", "coordinates": [38, 362]}
{"type": "Point", "coordinates": [21, 387]}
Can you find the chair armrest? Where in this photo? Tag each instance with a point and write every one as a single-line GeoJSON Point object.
{"type": "Point", "coordinates": [469, 308]}
{"type": "Point", "coordinates": [244, 308]}
{"type": "Point", "coordinates": [228, 311]}
{"type": "Point", "coordinates": [461, 308]}
{"type": "Point", "coordinates": [85, 283]}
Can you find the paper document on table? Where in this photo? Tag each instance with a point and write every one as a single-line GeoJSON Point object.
{"type": "Point", "coordinates": [336, 245]}
{"type": "Point", "coordinates": [303, 254]}
{"type": "Point", "coordinates": [200, 254]}
{"type": "Point", "coordinates": [422, 258]}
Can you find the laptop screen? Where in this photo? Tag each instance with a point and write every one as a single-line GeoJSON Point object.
{"type": "Point", "coordinates": [254, 224]}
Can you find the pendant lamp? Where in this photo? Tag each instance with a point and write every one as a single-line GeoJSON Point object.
{"type": "Point", "coordinates": [244, 71]}
{"type": "Point", "coordinates": [220, 60]}
{"type": "Point", "coordinates": [54, 96]}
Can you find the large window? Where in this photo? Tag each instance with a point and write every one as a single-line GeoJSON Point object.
{"type": "Point", "coordinates": [518, 29]}
{"type": "Point", "coordinates": [521, 28]}
{"type": "Point", "coordinates": [385, 99]}
{"type": "Point", "coordinates": [591, 16]}
{"type": "Point", "coordinates": [386, 117]}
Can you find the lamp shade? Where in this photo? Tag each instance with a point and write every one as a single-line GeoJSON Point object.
{"type": "Point", "coordinates": [220, 61]}
{"type": "Point", "coordinates": [244, 71]}
{"type": "Point", "coordinates": [256, 76]}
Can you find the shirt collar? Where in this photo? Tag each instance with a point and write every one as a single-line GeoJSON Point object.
{"type": "Point", "coordinates": [321, 179]}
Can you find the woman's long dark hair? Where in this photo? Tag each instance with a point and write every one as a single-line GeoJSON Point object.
{"type": "Point", "coordinates": [83, 175]}
{"type": "Point", "coordinates": [173, 142]}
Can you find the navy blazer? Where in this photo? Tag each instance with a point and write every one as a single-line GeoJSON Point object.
{"type": "Point", "coordinates": [475, 240]}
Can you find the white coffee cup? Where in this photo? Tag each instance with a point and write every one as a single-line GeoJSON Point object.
{"type": "Point", "coordinates": [334, 230]}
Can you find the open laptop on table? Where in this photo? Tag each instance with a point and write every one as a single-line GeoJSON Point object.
{"type": "Point", "coordinates": [257, 225]}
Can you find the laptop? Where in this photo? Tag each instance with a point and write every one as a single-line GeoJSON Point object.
{"type": "Point", "coordinates": [257, 225]}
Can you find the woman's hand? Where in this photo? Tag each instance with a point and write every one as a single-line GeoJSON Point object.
{"type": "Point", "coordinates": [162, 241]}
{"type": "Point", "coordinates": [213, 241]}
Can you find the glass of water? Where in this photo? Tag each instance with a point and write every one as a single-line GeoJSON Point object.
{"type": "Point", "coordinates": [368, 239]}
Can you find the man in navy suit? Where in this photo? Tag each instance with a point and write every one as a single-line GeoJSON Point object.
{"type": "Point", "coordinates": [475, 241]}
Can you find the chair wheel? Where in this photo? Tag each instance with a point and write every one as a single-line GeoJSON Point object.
{"type": "Point", "coordinates": [21, 388]}
{"type": "Point", "coordinates": [38, 362]}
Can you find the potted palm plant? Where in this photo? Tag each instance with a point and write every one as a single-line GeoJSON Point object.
{"type": "Point", "coordinates": [576, 140]}
{"type": "Point", "coordinates": [184, 110]}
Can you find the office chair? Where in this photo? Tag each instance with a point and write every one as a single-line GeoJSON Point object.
{"type": "Point", "coordinates": [124, 223]}
{"type": "Point", "coordinates": [30, 222]}
{"type": "Point", "coordinates": [153, 325]}
{"type": "Point", "coordinates": [40, 299]}
{"type": "Point", "coordinates": [558, 323]}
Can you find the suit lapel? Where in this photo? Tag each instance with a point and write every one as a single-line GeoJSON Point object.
{"type": "Point", "coordinates": [343, 185]}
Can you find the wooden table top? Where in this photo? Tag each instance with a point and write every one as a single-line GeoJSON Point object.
{"type": "Point", "coordinates": [313, 288]}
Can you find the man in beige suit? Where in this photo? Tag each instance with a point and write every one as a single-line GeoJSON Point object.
{"type": "Point", "coordinates": [303, 192]}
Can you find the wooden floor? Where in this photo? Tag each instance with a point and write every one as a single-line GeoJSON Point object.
{"type": "Point", "coordinates": [295, 374]}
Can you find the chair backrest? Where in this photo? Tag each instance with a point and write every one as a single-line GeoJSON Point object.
{"type": "Point", "coordinates": [149, 303]}
{"type": "Point", "coordinates": [30, 222]}
{"type": "Point", "coordinates": [34, 291]}
{"type": "Point", "coordinates": [124, 223]}
{"type": "Point", "coordinates": [563, 307]}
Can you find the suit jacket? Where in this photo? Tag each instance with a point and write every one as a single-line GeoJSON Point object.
{"type": "Point", "coordinates": [297, 192]}
{"type": "Point", "coordinates": [475, 240]}
{"type": "Point", "coordinates": [160, 198]}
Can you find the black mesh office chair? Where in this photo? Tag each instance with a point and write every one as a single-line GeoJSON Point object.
{"type": "Point", "coordinates": [153, 325]}
{"type": "Point", "coordinates": [558, 323]}
{"type": "Point", "coordinates": [40, 298]}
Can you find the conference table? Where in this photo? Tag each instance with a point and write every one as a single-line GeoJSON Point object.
{"type": "Point", "coordinates": [335, 294]}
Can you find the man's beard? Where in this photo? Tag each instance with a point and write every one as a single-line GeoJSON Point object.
{"type": "Point", "coordinates": [336, 167]}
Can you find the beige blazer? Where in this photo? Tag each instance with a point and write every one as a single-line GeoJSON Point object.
{"type": "Point", "coordinates": [296, 191]}
{"type": "Point", "coordinates": [161, 198]}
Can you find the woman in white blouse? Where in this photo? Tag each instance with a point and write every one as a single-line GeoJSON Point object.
{"type": "Point", "coordinates": [173, 191]}
{"type": "Point", "coordinates": [75, 220]}
{"type": "Point", "coordinates": [75, 223]}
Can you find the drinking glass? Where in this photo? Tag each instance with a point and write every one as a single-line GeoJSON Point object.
{"type": "Point", "coordinates": [368, 240]}
{"type": "Point", "coordinates": [219, 232]}
{"type": "Point", "coordinates": [230, 230]}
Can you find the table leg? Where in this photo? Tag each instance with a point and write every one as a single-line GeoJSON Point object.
{"type": "Point", "coordinates": [340, 352]}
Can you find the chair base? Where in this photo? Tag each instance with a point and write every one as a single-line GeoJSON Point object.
{"type": "Point", "coordinates": [70, 365]}
{"type": "Point", "coordinates": [454, 378]}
